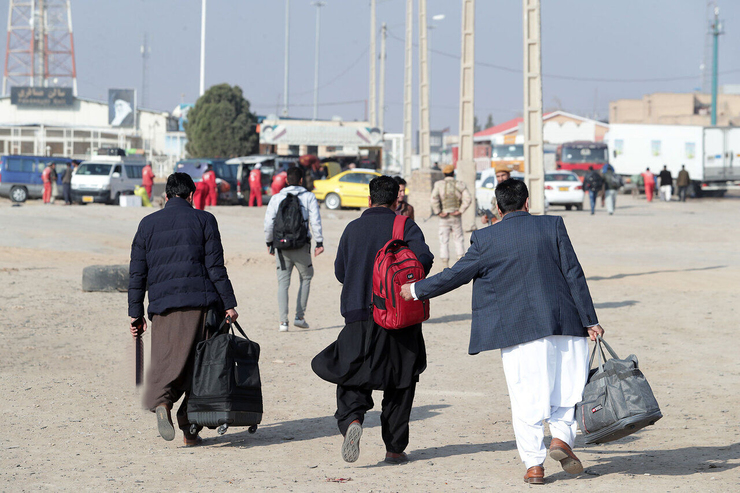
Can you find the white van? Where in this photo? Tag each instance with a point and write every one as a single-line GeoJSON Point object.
{"type": "Point", "coordinates": [104, 179]}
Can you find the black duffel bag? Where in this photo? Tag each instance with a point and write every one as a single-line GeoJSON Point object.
{"type": "Point", "coordinates": [226, 390]}
{"type": "Point", "coordinates": [617, 400]}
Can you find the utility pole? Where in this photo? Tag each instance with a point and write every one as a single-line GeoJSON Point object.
{"type": "Point", "coordinates": [203, 48]}
{"type": "Point", "coordinates": [381, 94]}
{"type": "Point", "coordinates": [534, 168]}
{"type": "Point", "coordinates": [407, 91]}
{"type": "Point", "coordinates": [318, 6]}
{"type": "Point", "coordinates": [466, 162]}
{"type": "Point", "coordinates": [716, 31]}
{"type": "Point", "coordinates": [287, 57]}
{"type": "Point", "coordinates": [373, 57]}
{"type": "Point", "coordinates": [423, 87]}
{"type": "Point", "coordinates": [145, 54]}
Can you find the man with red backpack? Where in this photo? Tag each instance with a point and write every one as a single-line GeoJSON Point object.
{"type": "Point", "coordinates": [366, 356]}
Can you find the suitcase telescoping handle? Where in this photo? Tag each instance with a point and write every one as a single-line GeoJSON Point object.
{"type": "Point", "coordinates": [599, 346]}
{"type": "Point", "coordinates": [227, 325]}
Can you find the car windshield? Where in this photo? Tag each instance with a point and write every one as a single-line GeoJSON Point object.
{"type": "Point", "coordinates": [510, 151]}
{"type": "Point", "coordinates": [560, 177]}
{"type": "Point", "coordinates": [597, 155]}
{"type": "Point", "coordinates": [94, 169]}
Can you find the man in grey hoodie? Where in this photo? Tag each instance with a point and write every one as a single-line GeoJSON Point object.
{"type": "Point", "coordinates": [299, 257]}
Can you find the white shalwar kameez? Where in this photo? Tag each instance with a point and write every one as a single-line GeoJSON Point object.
{"type": "Point", "coordinates": [546, 378]}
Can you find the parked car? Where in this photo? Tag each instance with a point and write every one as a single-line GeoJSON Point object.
{"type": "Point", "coordinates": [347, 189]}
{"type": "Point", "coordinates": [104, 179]}
{"type": "Point", "coordinates": [564, 188]}
{"type": "Point", "coordinates": [485, 187]}
{"type": "Point", "coordinates": [243, 165]}
{"type": "Point", "coordinates": [226, 179]}
{"type": "Point", "coordinates": [20, 176]}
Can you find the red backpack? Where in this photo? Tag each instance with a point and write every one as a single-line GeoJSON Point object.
{"type": "Point", "coordinates": [396, 265]}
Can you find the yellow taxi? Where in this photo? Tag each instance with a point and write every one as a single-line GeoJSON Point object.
{"type": "Point", "coordinates": [347, 189]}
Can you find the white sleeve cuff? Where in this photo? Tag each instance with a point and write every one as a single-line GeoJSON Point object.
{"type": "Point", "coordinates": [413, 291]}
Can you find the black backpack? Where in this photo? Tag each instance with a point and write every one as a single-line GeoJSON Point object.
{"type": "Point", "coordinates": [291, 231]}
{"type": "Point", "coordinates": [595, 181]}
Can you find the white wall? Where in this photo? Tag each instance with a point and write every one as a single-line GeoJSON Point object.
{"type": "Point", "coordinates": [555, 133]}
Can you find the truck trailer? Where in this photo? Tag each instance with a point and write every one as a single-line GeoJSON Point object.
{"type": "Point", "coordinates": [707, 152]}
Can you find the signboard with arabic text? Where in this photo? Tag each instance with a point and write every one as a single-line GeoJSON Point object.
{"type": "Point", "coordinates": [49, 97]}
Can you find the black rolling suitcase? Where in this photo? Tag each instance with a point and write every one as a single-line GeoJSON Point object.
{"type": "Point", "coordinates": [226, 390]}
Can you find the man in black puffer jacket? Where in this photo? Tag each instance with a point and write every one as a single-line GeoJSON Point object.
{"type": "Point", "coordinates": [177, 255]}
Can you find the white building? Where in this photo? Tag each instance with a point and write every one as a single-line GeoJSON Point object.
{"type": "Point", "coordinates": [77, 130]}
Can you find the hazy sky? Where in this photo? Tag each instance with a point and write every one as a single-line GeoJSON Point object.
{"type": "Point", "coordinates": [612, 40]}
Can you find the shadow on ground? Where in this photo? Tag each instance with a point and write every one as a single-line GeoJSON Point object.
{"type": "Point", "coordinates": [615, 304]}
{"type": "Point", "coordinates": [677, 462]}
{"type": "Point", "coordinates": [305, 429]}
{"type": "Point", "coordinates": [455, 317]}
{"type": "Point", "coordinates": [635, 274]}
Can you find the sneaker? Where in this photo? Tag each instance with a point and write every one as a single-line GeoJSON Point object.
{"type": "Point", "coordinates": [300, 322]}
{"type": "Point", "coordinates": [283, 327]}
{"type": "Point", "coordinates": [351, 444]}
{"type": "Point", "coordinates": [164, 422]}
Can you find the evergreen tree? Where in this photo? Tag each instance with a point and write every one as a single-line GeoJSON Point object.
{"type": "Point", "coordinates": [221, 125]}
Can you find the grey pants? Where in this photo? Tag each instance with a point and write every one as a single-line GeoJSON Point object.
{"type": "Point", "coordinates": [301, 259]}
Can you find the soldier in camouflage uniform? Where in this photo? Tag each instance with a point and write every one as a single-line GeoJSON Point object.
{"type": "Point", "coordinates": [450, 198]}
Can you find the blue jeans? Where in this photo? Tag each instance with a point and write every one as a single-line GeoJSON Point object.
{"type": "Point", "coordinates": [592, 198]}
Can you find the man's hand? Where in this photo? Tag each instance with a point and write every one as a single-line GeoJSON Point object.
{"type": "Point", "coordinates": [594, 331]}
{"type": "Point", "coordinates": [231, 313]}
{"type": "Point", "coordinates": [443, 214]}
{"type": "Point", "coordinates": [271, 250]}
{"type": "Point", "coordinates": [137, 330]}
{"type": "Point", "coordinates": [456, 213]}
{"type": "Point", "coordinates": [318, 251]}
{"type": "Point", "coordinates": [406, 292]}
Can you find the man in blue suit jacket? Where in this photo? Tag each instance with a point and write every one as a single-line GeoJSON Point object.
{"type": "Point", "coordinates": [530, 299]}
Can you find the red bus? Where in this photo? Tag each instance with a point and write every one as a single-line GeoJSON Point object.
{"type": "Point", "coordinates": [578, 156]}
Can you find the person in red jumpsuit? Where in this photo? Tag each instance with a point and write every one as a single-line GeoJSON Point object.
{"type": "Point", "coordinates": [147, 179]}
{"type": "Point", "coordinates": [209, 177]}
{"type": "Point", "coordinates": [278, 182]}
{"type": "Point", "coordinates": [649, 179]}
{"type": "Point", "coordinates": [46, 179]}
{"type": "Point", "coordinates": [255, 186]}
{"type": "Point", "coordinates": [200, 195]}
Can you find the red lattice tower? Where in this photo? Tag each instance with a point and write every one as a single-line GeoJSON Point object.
{"type": "Point", "coordinates": [40, 50]}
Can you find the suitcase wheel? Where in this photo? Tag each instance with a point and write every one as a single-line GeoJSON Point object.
{"type": "Point", "coordinates": [252, 429]}
{"type": "Point", "coordinates": [222, 429]}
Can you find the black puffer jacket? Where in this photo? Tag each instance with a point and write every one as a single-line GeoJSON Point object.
{"type": "Point", "coordinates": [177, 255]}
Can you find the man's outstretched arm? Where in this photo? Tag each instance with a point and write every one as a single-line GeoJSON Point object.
{"type": "Point", "coordinates": [461, 273]}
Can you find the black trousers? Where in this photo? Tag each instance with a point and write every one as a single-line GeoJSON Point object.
{"type": "Point", "coordinates": [353, 403]}
{"type": "Point", "coordinates": [67, 191]}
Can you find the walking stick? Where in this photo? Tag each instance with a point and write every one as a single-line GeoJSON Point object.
{"type": "Point", "coordinates": [139, 352]}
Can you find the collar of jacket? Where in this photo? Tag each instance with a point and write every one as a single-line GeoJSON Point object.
{"type": "Point", "coordinates": [294, 189]}
{"type": "Point", "coordinates": [177, 202]}
{"type": "Point", "coordinates": [379, 210]}
{"type": "Point", "coordinates": [514, 214]}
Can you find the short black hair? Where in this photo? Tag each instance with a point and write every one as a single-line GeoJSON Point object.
{"type": "Point", "coordinates": [590, 168]}
{"type": "Point", "coordinates": [295, 175]}
{"type": "Point", "coordinates": [399, 180]}
{"type": "Point", "coordinates": [383, 190]}
{"type": "Point", "coordinates": [511, 195]}
{"type": "Point", "coordinates": [179, 185]}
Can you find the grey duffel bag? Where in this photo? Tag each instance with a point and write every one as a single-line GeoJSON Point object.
{"type": "Point", "coordinates": [617, 400]}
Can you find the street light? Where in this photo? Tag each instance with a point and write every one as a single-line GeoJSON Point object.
{"type": "Point", "coordinates": [318, 6]}
{"type": "Point", "coordinates": [430, 28]}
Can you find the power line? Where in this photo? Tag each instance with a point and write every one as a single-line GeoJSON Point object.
{"type": "Point", "coordinates": [338, 76]}
{"type": "Point", "coordinates": [335, 103]}
{"type": "Point", "coordinates": [566, 77]}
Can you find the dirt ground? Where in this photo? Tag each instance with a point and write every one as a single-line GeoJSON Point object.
{"type": "Point", "coordinates": [665, 278]}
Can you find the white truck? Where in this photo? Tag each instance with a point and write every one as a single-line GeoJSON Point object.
{"type": "Point", "coordinates": [709, 153]}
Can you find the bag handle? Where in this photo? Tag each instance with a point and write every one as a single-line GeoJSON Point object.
{"type": "Point", "coordinates": [228, 326]}
{"type": "Point", "coordinates": [399, 224]}
{"type": "Point", "coordinates": [599, 346]}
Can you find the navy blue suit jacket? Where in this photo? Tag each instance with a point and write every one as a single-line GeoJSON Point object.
{"type": "Point", "coordinates": [527, 283]}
